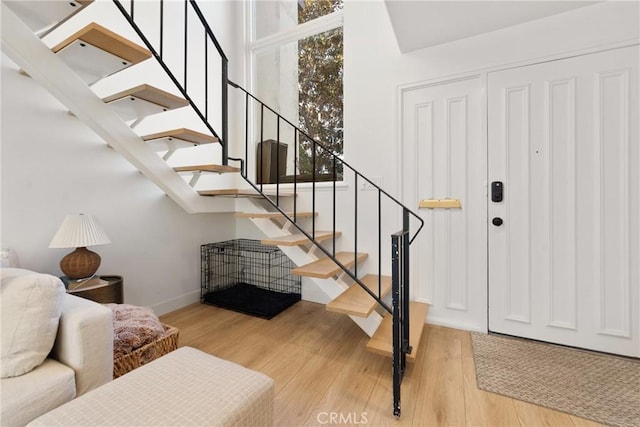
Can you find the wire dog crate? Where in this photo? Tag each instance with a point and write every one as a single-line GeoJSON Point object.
{"type": "Point", "coordinates": [246, 276]}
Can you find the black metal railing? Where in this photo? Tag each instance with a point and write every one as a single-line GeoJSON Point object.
{"type": "Point", "coordinates": [400, 241]}
{"type": "Point", "coordinates": [277, 202]}
{"type": "Point", "coordinates": [187, 57]}
{"type": "Point", "coordinates": [283, 130]}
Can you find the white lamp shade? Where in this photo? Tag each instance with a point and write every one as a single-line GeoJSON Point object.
{"type": "Point", "coordinates": [79, 230]}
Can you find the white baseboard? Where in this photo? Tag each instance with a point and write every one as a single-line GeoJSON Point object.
{"type": "Point", "coordinates": [448, 323]}
{"type": "Point", "coordinates": [176, 303]}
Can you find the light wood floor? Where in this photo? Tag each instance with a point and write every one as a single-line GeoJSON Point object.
{"type": "Point", "coordinates": [320, 366]}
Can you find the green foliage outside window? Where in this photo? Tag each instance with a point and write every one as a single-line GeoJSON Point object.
{"type": "Point", "coordinates": [320, 102]}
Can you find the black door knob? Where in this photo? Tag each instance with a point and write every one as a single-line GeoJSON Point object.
{"type": "Point", "coordinates": [497, 221]}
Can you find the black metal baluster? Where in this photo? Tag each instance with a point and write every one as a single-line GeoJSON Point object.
{"type": "Point", "coordinates": [260, 145]}
{"type": "Point", "coordinates": [186, 27]}
{"type": "Point", "coordinates": [161, 27]}
{"type": "Point", "coordinates": [313, 188]}
{"type": "Point", "coordinates": [225, 111]}
{"type": "Point", "coordinates": [334, 205]}
{"type": "Point", "coordinates": [278, 161]}
{"type": "Point", "coordinates": [295, 174]}
{"type": "Point", "coordinates": [132, 10]}
{"type": "Point", "coordinates": [379, 243]}
{"type": "Point", "coordinates": [355, 232]}
{"type": "Point", "coordinates": [206, 77]}
{"type": "Point", "coordinates": [246, 134]}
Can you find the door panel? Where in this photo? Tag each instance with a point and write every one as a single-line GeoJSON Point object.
{"type": "Point", "coordinates": [444, 156]}
{"type": "Point", "coordinates": [563, 137]}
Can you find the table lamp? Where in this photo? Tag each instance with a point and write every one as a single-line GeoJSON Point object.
{"type": "Point", "coordinates": [79, 231]}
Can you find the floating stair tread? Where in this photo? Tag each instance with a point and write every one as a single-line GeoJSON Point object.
{"type": "Point", "coordinates": [105, 39]}
{"type": "Point", "coordinates": [325, 267]}
{"type": "Point", "coordinates": [150, 94]}
{"type": "Point", "coordinates": [299, 238]}
{"type": "Point", "coordinates": [382, 340]}
{"type": "Point", "coordinates": [40, 15]}
{"type": "Point", "coordinates": [356, 301]}
{"type": "Point", "coordinates": [274, 215]}
{"type": "Point", "coordinates": [143, 101]}
{"type": "Point", "coordinates": [245, 192]}
{"type": "Point", "coordinates": [182, 134]}
{"type": "Point", "coordinates": [207, 168]}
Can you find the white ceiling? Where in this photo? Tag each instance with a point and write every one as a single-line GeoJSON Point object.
{"type": "Point", "coordinates": [423, 23]}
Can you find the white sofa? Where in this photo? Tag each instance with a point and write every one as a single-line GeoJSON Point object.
{"type": "Point", "coordinates": [81, 359]}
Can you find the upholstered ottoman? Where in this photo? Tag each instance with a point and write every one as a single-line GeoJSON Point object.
{"type": "Point", "coordinates": [187, 387]}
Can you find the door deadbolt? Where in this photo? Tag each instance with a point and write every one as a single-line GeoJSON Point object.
{"type": "Point", "coordinates": [497, 221]}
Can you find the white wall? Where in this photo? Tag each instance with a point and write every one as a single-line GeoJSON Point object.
{"type": "Point", "coordinates": [53, 165]}
{"type": "Point", "coordinates": [375, 69]}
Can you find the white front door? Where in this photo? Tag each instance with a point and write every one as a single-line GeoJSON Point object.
{"type": "Point", "coordinates": [564, 250]}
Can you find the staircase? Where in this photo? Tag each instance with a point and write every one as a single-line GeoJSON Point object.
{"type": "Point", "coordinates": [337, 265]}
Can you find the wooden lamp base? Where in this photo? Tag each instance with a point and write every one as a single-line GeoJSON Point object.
{"type": "Point", "coordinates": [80, 263]}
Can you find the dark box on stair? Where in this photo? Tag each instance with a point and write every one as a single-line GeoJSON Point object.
{"type": "Point", "coordinates": [246, 276]}
{"type": "Point", "coordinates": [274, 157]}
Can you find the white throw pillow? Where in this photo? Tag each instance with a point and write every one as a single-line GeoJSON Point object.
{"type": "Point", "coordinates": [30, 304]}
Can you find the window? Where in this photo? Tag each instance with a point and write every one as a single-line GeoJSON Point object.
{"type": "Point", "coordinates": [297, 62]}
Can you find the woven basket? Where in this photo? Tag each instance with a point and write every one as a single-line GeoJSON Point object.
{"type": "Point", "coordinates": [147, 352]}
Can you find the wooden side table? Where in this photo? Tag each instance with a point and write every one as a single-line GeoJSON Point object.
{"type": "Point", "coordinates": [112, 292]}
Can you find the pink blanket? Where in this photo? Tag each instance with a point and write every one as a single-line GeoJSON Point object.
{"type": "Point", "coordinates": [133, 327]}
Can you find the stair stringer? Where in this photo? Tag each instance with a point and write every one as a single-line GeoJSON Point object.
{"type": "Point", "coordinates": [330, 287]}
{"type": "Point", "coordinates": [30, 53]}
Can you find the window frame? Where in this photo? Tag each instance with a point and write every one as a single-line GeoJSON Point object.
{"type": "Point", "coordinates": [306, 29]}
{"type": "Point", "coordinates": [255, 47]}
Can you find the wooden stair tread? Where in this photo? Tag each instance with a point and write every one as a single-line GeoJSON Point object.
{"type": "Point", "coordinates": [299, 238]}
{"type": "Point", "coordinates": [207, 168]}
{"type": "Point", "coordinates": [95, 52]}
{"type": "Point", "coordinates": [188, 135]}
{"type": "Point", "coordinates": [41, 15]}
{"type": "Point", "coordinates": [143, 101]}
{"type": "Point", "coordinates": [325, 267]}
{"type": "Point", "coordinates": [151, 94]}
{"type": "Point", "coordinates": [273, 215]}
{"type": "Point", "coordinates": [382, 340]}
{"type": "Point", "coordinates": [108, 41]}
{"type": "Point", "coordinates": [245, 192]}
{"type": "Point", "coordinates": [356, 301]}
